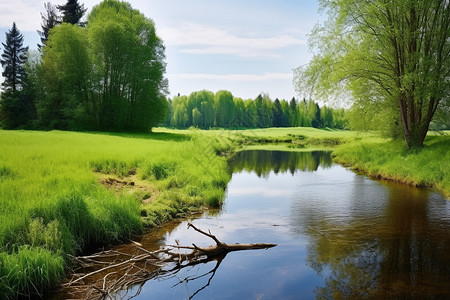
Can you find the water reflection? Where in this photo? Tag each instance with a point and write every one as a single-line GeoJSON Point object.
{"type": "Point", "coordinates": [263, 162]}
{"type": "Point", "coordinates": [391, 241]}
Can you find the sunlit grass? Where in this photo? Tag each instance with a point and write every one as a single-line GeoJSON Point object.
{"type": "Point", "coordinates": [52, 203]}
{"type": "Point", "coordinates": [426, 167]}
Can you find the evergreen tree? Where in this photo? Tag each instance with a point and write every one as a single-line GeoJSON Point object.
{"type": "Point", "coordinates": [17, 102]}
{"type": "Point", "coordinates": [294, 112]}
{"type": "Point", "coordinates": [13, 60]}
{"type": "Point", "coordinates": [72, 11]}
{"type": "Point", "coordinates": [316, 121]}
{"type": "Point", "coordinates": [277, 114]}
{"type": "Point", "coordinates": [49, 20]}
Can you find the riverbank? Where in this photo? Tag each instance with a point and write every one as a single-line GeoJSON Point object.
{"type": "Point", "coordinates": [427, 167]}
{"type": "Point", "coordinates": [62, 193]}
{"type": "Point", "coordinates": [369, 153]}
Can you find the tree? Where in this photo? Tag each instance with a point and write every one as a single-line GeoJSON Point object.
{"type": "Point", "coordinates": [277, 114]}
{"type": "Point", "coordinates": [67, 73]}
{"type": "Point", "coordinates": [13, 60]}
{"type": "Point", "coordinates": [294, 112]}
{"type": "Point", "coordinates": [129, 67]}
{"type": "Point", "coordinates": [17, 107]}
{"type": "Point", "coordinates": [196, 117]}
{"type": "Point", "coordinates": [224, 108]}
{"type": "Point", "coordinates": [286, 118]}
{"type": "Point", "coordinates": [49, 20]}
{"type": "Point", "coordinates": [72, 11]}
{"type": "Point", "coordinates": [316, 121]}
{"type": "Point", "coordinates": [396, 50]}
{"type": "Point", "coordinates": [179, 115]}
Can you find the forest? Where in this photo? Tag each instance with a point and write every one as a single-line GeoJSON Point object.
{"type": "Point", "coordinates": [204, 109]}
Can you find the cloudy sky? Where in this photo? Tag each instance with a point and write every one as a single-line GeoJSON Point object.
{"type": "Point", "coordinates": [246, 47]}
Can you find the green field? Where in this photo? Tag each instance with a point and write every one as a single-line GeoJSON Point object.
{"type": "Point", "coordinates": [61, 192]}
{"type": "Point", "coordinates": [64, 192]}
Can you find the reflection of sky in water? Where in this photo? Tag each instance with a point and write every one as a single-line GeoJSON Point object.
{"type": "Point", "coordinates": [328, 223]}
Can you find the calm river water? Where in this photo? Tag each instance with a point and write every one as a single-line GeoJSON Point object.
{"type": "Point", "coordinates": [340, 236]}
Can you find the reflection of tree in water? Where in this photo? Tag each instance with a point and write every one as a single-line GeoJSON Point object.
{"type": "Point", "coordinates": [404, 252]}
{"type": "Point", "coordinates": [262, 162]}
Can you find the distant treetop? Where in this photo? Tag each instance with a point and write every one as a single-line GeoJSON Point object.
{"type": "Point", "coordinates": [72, 11]}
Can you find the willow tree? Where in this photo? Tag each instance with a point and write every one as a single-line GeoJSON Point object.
{"type": "Point", "coordinates": [393, 52]}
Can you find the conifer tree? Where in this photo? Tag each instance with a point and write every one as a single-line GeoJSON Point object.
{"type": "Point", "coordinates": [72, 12]}
{"type": "Point", "coordinates": [16, 103]}
{"type": "Point", "coordinates": [49, 20]}
{"type": "Point", "coordinates": [13, 60]}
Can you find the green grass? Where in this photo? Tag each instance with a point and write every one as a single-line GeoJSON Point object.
{"type": "Point", "coordinates": [52, 203]}
{"type": "Point", "coordinates": [366, 151]}
{"type": "Point", "coordinates": [427, 167]}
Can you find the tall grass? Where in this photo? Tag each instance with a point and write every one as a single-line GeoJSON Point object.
{"type": "Point", "coordinates": [52, 204]}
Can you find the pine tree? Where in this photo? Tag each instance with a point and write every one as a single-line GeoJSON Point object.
{"type": "Point", "coordinates": [16, 104]}
{"type": "Point", "coordinates": [72, 11]}
{"type": "Point", "coordinates": [49, 20]}
{"type": "Point", "coordinates": [13, 60]}
{"type": "Point", "coordinates": [277, 113]}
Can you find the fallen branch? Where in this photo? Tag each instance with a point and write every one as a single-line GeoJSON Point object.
{"type": "Point", "coordinates": [115, 271]}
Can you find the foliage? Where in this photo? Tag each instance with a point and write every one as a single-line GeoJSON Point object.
{"type": "Point", "coordinates": [392, 52]}
{"type": "Point", "coordinates": [129, 67]}
{"type": "Point", "coordinates": [72, 12]}
{"type": "Point", "coordinates": [108, 75]}
{"type": "Point", "coordinates": [205, 110]}
{"type": "Point", "coordinates": [66, 72]}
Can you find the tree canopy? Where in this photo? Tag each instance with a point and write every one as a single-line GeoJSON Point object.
{"type": "Point", "coordinates": [204, 109]}
{"type": "Point", "coordinates": [396, 53]}
{"type": "Point", "coordinates": [72, 11]}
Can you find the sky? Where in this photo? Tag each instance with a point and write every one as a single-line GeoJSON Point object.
{"type": "Point", "coordinates": [247, 47]}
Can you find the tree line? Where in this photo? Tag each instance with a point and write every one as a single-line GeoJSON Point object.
{"type": "Point", "coordinates": [204, 109]}
{"type": "Point", "coordinates": [103, 74]}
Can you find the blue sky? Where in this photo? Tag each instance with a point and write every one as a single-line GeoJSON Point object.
{"type": "Point", "coordinates": [246, 47]}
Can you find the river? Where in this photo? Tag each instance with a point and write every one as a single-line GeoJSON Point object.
{"type": "Point", "coordinates": [338, 234]}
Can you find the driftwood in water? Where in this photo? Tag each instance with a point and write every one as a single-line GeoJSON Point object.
{"type": "Point", "coordinates": [112, 271]}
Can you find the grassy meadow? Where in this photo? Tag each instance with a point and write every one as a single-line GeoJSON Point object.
{"type": "Point", "coordinates": [63, 192]}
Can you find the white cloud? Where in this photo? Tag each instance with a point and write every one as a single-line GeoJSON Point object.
{"type": "Point", "coordinates": [201, 39]}
{"type": "Point", "coordinates": [25, 13]}
{"type": "Point", "coordinates": [234, 77]}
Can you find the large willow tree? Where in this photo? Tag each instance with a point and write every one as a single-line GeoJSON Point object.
{"type": "Point", "coordinates": [396, 52]}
